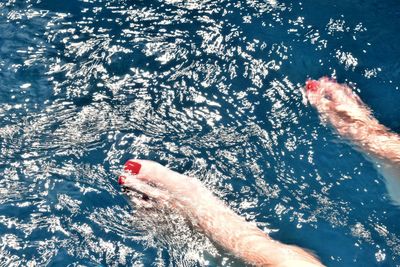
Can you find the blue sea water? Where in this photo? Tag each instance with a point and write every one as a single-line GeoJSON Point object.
{"type": "Point", "coordinates": [210, 89]}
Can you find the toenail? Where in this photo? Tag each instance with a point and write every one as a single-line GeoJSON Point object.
{"type": "Point", "coordinates": [132, 167]}
{"type": "Point", "coordinates": [121, 180]}
{"type": "Point", "coordinates": [311, 85]}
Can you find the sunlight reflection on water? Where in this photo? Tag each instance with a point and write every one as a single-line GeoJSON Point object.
{"type": "Point", "coordinates": [210, 88]}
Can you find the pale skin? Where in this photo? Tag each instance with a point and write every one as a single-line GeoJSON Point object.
{"type": "Point", "coordinates": [231, 231]}
{"type": "Point", "coordinates": [337, 105]}
{"type": "Point", "coordinates": [353, 120]}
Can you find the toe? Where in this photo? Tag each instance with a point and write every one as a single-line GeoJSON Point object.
{"type": "Point", "coordinates": [132, 167]}
{"type": "Point", "coordinates": [121, 180]}
{"type": "Point", "coordinates": [312, 85]}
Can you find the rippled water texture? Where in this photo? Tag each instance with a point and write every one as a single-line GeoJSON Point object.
{"type": "Point", "coordinates": [209, 88]}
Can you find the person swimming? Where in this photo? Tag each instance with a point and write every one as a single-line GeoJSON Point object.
{"type": "Point", "coordinates": [336, 104]}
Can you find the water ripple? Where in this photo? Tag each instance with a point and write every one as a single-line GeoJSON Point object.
{"type": "Point", "coordinates": [209, 88]}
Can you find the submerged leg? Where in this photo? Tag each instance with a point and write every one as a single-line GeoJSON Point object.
{"type": "Point", "coordinates": [352, 119]}
{"type": "Point", "coordinates": [213, 217]}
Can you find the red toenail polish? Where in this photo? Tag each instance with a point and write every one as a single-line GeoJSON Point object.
{"type": "Point", "coordinates": [311, 85]}
{"type": "Point", "coordinates": [121, 180]}
{"type": "Point", "coordinates": [132, 167]}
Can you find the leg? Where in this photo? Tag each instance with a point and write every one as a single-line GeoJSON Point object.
{"type": "Point", "coordinates": [352, 119]}
{"type": "Point", "coordinates": [212, 216]}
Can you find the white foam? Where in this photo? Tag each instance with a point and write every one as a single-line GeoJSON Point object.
{"type": "Point", "coordinates": [25, 86]}
{"type": "Point", "coordinates": [391, 173]}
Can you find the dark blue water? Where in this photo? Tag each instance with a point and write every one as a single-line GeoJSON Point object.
{"type": "Point", "coordinates": [209, 88]}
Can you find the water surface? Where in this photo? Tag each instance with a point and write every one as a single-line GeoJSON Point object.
{"type": "Point", "coordinates": [209, 88]}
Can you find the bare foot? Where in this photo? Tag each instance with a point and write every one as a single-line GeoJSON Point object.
{"type": "Point", "coordinates": [154, 183]}
{"type": "Point", "coordinates": [158, 183]}
{"type": "Point", "coordinates": [352, 119]}
{"type": "Point", "coordinates": [340, 106]}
